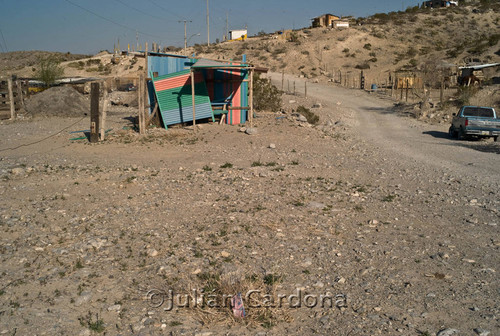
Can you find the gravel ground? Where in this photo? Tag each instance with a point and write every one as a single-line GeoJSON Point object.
{"type": "Point", "coordinates": [362, 208]}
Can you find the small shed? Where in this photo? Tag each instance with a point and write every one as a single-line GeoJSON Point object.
{"type": "Point", "coordinates": [340, 24]}
{"type": "Point", "coordinates": [240, 34]}
{"type": "Point", "coordinates": [193, 89]}
{"type": "Point", "coordinates": [325, 20]}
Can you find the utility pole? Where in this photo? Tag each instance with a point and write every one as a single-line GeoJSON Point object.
{"type": "Point", "coordinates": [208, 26]}
{"type": "Point", "coordinates": [227, 26]}
{"type": "Point", "coordinates": [185, 34]}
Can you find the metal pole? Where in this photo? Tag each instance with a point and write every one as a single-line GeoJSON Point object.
{"type": "Point", "coordinates": [193, 99]}
{"type": "Point", "coordinates": [208, 26]}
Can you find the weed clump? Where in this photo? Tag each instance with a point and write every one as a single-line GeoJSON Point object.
{"type": "Point", "coordinates": [311, 117]}
{"type": "Point", "coordinates": [267, 97]}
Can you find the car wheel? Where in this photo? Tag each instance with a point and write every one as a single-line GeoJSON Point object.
{"type": "Point", "coordinates": [461, 134]}
{"type": "Point", "coordinates": [495, 139]}
{"type": "Point", "coordinates": [452, 133]}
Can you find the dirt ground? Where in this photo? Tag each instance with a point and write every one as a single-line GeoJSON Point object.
{"type": "Point", "coordinates": [383, 213]}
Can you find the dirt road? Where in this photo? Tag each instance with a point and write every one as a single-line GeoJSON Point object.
{"type": "Point", "coordinates": [379, 211]}
{"type": "Point", "coordinates": [406, 139]}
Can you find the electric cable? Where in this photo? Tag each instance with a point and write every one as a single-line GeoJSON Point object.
{"type": "Point", "coordinates": [112, 21]}
{"type": "Point", "coordinates": [38, 141]}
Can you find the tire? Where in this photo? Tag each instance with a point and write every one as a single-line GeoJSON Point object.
{"type": "Point", "coordinates": [461, 134]}
{"type": "Point", "coordinates": [496, 139]}
{"type": "Point", "coordinates": [452, 133]}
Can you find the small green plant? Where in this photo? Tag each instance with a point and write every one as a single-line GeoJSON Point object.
{"type": "Point", "coordinates": [271, 279]}
{"type": "Point", "coordinates": [227, 165]}
{"type": "Point", "coordinates": [88, 321]}
{"type": "Point", "coordinates": [175, 323]}
{"type": "Point", "coordinates": [49, 70]}
{"type": "Point", "coordinates": [267, 97]}
{"type": "Point", "coordinates": [389, 198]}
{"type": "Point", "coordinates": [206, 168]}
{"type": "Point", "coordinates": [257, 164]}
{"type": "Point", "coordinates": [367, 46]}
{"type": "Point", "coordinates": [311, 117]}
{"type": "Point", "coordinates": [78, 264]}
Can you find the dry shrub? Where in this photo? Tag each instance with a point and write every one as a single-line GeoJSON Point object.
{"type": "Point", "coordinates": [311, 117]}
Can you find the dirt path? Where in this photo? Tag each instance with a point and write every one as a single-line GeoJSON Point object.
{"type": "Point", "coordinates": [402, 138]}
{"type": "Point", "coordinates": [366, 206]}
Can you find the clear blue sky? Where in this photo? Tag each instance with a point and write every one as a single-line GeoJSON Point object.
{"type": "Point", "coordinates": [59, 25]}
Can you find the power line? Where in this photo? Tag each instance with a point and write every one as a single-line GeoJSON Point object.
{"type": "Point", "coordinates": [141, 11]}
{"type": "Point", "coordinates": [4, 43]}
{"type": "Point", "coordinates": [48, 137]}
{"type": "Point", "coordinates": [166, 10]}
{"type": "Point", "coordinates": [109, 20]}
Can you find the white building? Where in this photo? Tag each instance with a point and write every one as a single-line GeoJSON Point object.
{"type": "Point", "coordinates": [237, 34]}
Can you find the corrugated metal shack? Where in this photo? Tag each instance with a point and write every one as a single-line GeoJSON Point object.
{"type": "Point", "coordinates": [221, 89]}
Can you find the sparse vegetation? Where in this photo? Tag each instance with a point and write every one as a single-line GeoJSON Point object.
{"type": "Point", "coordinates": [267, 97]}
{"type": "Point", "coordinates": [49, 70]}
{"type": "Point", "coordinates": [311, 117]}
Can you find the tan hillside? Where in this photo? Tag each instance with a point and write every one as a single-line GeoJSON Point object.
{"type": "Point", "coordinates": [379, 44]}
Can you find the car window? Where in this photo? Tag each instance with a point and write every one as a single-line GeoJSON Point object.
{"type": "Point", "coordinates": [478, 112]}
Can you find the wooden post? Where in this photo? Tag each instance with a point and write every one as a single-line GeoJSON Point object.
{"type": "Point", "coordinates": [283, 80]}
{"type": "Point", "coordinates": [402, 87]}
{"type": "Point", "coordinates": [294, 90]}
{"type": "Point", "coordinates": [94, 112]}
{"type": "Point", "coordinates": [102, 122]}
{"type": "Point", "coordinates": [20, 95]}
{"type": "Point", "coordinates": [441, 92]}
{"type": "Point", "coordinates": [305, 88]}
{"type": "Point", "coordinates": [11, 99]}
{"type": "Point", "coordinates": [146, 54]}
{"type": "Point", "coordinates": [193, 99]}
{"type": "Point", "coordinates": [407, 88]}
{"type": "Point", "coordinates": [140, 92]}
{"type": "Point", "coordinates": [288, 82]}
{"type": "Point", "coordinates": [251, 97]}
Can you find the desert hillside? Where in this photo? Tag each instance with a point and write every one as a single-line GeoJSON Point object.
{"type": "Point", "coordinates": [377, 44]}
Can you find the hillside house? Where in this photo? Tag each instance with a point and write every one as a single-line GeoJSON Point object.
{"type": "Point", "coordinates": [240, 34]}
{"type": "Point", "coordinates": [325, 20]}
{"type": "Point", "coordinates": [439, 3]}
{"type": "Point", "coordinates": [341, 24]}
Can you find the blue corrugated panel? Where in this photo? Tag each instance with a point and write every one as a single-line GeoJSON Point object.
{"type": "Point", "coordinates": [167, 65]}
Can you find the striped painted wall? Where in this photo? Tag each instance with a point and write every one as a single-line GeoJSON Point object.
{"type": "Point", "coordinates": [173, 94]}
{"type": "Point", "coordinates": [222, 83]}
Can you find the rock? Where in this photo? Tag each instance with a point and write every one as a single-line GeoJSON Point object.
{"type": "Point", "coordinates": [225, 254]}
{"type": "Point", "coordinates": [83, 298]}
{"type": "Point", "coordinates": [115, 307]}
{"type": "Point", "coordinates": [204, 333]}
{"type": "Point", "coordinates": [316, 205]}
{"type": "Point", "coordinates": [148, 322]}
{"type": "Point", "coordinates": [291, 101]}
{"type": "Point", "coordinates": [17, 171]}
{"type": "Point", "coordinates": [251, 131]}
{"type": "Point", "coordinates": [317, 105]}
{"type": "Point", "coordinates": [302, 118]}
{"type": "Point", "coordinates": [447, 332]}
{"type": "Point", "coordinates": [482, 332]}
{"type": "Point", "coordinates": [85, 332]}
{"type": "Point", "coordinates": [152, 252]}
{"type": "Point", "coordinates": [272, 146]}
{"type": "Point", "coordinates": [242, 129]}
